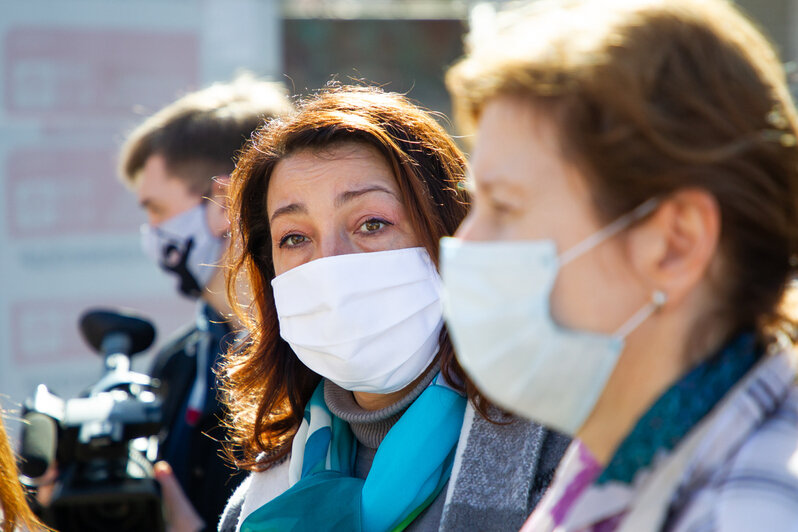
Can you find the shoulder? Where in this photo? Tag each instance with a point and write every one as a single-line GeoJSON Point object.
{"type": "Point", "coordinates": [758, 488]}
{"type": "Point", "coordinates": [261, 487]}
{"type": "Point", "coordinates": [179, 338]}
{"type": "Point", "coordinates": [232, 510]}
{"type": "Point", "coordinates": [500, 472]}
{"type": "Point", "coordinates": [175, 345]}
{"type": "Point", "coordinates": [256, 490]}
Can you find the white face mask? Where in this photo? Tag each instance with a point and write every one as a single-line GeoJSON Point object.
{"type": "Point", "coordinates": [185, 247]}
{"type": "Point", "coordinates": [496, 304]}
{"type": "Point", "coordinates": [369, 322]}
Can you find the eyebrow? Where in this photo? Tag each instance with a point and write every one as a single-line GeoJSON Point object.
{"type": "Point", "coordinates": [349, 195]}
{"type": "Point", "coordinates": [293, 208]}
{"type": "Point", "coordinates": [340, 200]}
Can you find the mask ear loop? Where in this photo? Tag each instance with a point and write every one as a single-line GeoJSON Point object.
{"type": "Point", "coordinates": [640, 212]}
{"type": "Point", "coordinates": [658, 300]}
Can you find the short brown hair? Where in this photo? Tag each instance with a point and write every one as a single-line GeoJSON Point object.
{"type": "Point", "coordinates": [265, 384]}
{"type": "Point", "coordinates": [652, 96]}
{"type": "Point", "coordinates": [200, 134]}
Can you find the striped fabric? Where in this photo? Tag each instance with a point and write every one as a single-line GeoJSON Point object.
{"type": "Point", "coordinates": [742, 476]}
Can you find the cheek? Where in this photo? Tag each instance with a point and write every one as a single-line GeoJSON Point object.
{"type": "Point", "coordinates": [283, 265]}
{"type": "Point", "coordinates": [279, 266]}
{"type": "Point", "coordinates": [574, 298]}
{"type": "Point", "coordinates": [154, 219]}
{"type": "Point", "coordinates": [594, 293]}
{"type": "Point", "coordinates": [283, 261]}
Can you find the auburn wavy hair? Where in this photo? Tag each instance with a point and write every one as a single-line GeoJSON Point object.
{"type": "Point", "coordinates": [264, 385]}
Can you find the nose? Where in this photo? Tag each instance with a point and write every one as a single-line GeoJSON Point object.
{"type": "Point", "coordinates": [154, 219]}
{"type": "Point", "coordinates": [473, 227]}
{"type": "Point", "coordinates": [332, 244]}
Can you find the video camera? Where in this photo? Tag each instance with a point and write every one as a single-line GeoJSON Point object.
{"type": "Point", "coordinates": [103, 442]}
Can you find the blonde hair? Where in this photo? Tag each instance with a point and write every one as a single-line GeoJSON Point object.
{"type": "Point", "coordinates": [651, 96]}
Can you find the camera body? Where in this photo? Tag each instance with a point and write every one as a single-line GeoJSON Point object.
{"type": "Point", "coordinates": [103, 442]}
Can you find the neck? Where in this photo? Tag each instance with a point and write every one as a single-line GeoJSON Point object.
{"type": "Point", "coordinates": [378, 401]}
{"type": "Point", "coordinates": [215, 294]}
{"type": "Point", "coordinates": [650, 363]}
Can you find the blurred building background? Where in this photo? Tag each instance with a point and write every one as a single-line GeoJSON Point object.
{"type": "Point", "coordinates": [76, 75]}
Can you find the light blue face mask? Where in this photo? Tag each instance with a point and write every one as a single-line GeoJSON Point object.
{"type": "Point", "coordinates": [496, 305]}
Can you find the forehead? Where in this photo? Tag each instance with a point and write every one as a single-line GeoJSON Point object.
{"type": "Point", "coordinates": [516, 144]}
{"type": "Point", "coordinates": [311, 173]}
{"type": "Point", "coordinates": [155, 180]}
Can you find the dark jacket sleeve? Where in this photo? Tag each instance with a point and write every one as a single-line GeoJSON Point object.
{"type": "Point", "coordinates": [195, 451]}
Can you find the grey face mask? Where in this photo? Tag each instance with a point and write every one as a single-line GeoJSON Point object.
{"type": "Point", "coordinates": [184, 247]}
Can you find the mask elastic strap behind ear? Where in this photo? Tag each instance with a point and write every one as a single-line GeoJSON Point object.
{"type": "Point", "coordinates": [640, 212]}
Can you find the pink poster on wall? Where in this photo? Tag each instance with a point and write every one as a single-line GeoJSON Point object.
{"type": "Point", "coordinates": [69, 226]}
{"type": "Point", "coordinates": [55, 73]}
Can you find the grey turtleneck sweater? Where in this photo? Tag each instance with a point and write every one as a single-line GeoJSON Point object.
{"type": "Point", "coordinates": [371, 426]}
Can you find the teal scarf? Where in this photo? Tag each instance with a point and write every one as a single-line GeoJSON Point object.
{"type": "Point", "coordinates": [411, 466]}
{"type": "Point", "coordinates": [681, 407]}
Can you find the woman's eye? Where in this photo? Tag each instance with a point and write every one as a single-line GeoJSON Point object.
{"type": "Point", "coordinates": [500, 208]}
{"type": "Point", "coordinates": [292, 240]}
{"type": "Point", "coordinates": [373, 225]}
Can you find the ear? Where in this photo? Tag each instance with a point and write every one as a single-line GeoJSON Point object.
{"type": "Point", "coordinates": [218, 206]}
{"type": "Point", "coordinates": [674, 247]}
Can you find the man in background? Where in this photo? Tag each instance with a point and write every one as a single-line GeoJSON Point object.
{"type": "Point", "coordinates": [178, 163]}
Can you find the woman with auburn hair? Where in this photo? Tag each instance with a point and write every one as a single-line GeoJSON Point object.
{"type": "Point", "coordinates": [15, 514]}
{"type": "Point", "coordinates": [346, 400]}
{"type": "Point", "coordinates": [623, 275]}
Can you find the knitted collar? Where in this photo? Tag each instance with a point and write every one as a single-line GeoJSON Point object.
{"type": "Point", "coordinates": [681, 407]}
{"type": "Point", "coordinates": [371, 426]}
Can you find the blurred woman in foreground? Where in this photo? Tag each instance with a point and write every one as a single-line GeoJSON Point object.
{"type": "Point", "coordinates": [15, 514]}
{"type": "Point", "coordinates": [346, 399]}
{"type": "Point", "coordinates": [623, 274]}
